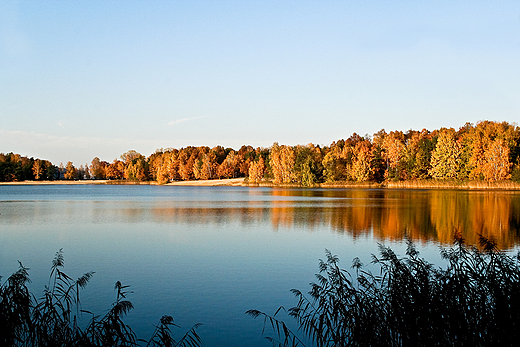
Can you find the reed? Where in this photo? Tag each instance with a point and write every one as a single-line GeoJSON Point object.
{"type": "Point", "coordinates": [506, 185]}
{"type": "Point", "coordinates": [428, 184]}
{"type": "Point", "coordinates": [52, 319]}
{"type": "Point", "coordinates": [473, 301]}
{"type": "Point", "coordinates": [351, 184]}
{"type": "Point", "coordinates": [453, 184]}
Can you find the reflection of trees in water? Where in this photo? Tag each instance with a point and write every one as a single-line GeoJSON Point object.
{"type": "Point", "coordinates": [493, 215]}
{"type": "Point", "coordinates": [429, 215]}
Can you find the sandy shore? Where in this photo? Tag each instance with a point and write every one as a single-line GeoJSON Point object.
{"type": "Point", "coordinates": [53, 182]}
{"type": "Point", "coordinates": [210, 183]}
{"type": "Point", "coordinates": [207, 183]}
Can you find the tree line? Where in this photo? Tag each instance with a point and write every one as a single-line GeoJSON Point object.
{"type": "Point", "coordinates": [487, 151]}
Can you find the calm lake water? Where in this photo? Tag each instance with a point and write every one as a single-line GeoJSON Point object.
{"type": "Point", "coordinates": [208, 254]}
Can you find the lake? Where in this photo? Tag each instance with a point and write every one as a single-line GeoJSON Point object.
{"type": "Point", "coordinates": [208, 254]}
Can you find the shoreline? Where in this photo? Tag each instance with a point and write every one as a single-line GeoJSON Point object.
{"type": "Point", "coordinates": [240, 182]}
{"type": "Point", "coordinates": [206, 183]}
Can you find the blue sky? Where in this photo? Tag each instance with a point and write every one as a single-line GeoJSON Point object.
{"type": "Point", "coordinates": [80, 79]}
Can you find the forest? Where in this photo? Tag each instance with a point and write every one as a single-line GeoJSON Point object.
{"type": "Point", "coordinates": [485, 151]}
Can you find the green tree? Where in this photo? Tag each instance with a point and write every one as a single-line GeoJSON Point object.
{"type": "Point", "coordinates": [446, 160]}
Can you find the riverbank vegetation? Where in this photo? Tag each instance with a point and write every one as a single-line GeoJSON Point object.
{"type": "Point", "coordinates": [52, 320]}
{"type": "Point", "coordinates": [471, 156]}
{"type": "Point", "coordinates": [470, 301]}
{"type": "Point", "coordinates": [473, 301]}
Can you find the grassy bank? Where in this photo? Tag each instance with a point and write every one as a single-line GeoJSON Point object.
{"type": "Point", "coordinates": [452, 184]}
{"type": "Point", "coordinates": [416, 184]}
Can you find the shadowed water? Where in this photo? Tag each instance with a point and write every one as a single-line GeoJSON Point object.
{"type": "Point", "coordinates": [208, 254]}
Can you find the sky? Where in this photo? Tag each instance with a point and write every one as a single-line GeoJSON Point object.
{"type": "Point", "coordinates": [85, 79]}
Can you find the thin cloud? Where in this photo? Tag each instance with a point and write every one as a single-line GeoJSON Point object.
{"type": "Point", "coordinates": [78, 149]}
{"type": "Point", "coordinates": [173, 122]}
{"type": "Point", "coordinates": [18, 136]}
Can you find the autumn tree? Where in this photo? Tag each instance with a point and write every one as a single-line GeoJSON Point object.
{"type": "Point", "coordinates": [136, 167]}
{"type": "Point", "coordinates": [282, 161]}
{"type": "Point", "coordinates": [245, 156]}
{"type": "Point", "coordinates": [484, 142]}
{"type": "Point", "coordinates": [307, 167]}
{"type": "Point", "coordinates": [97, 169]}
{"type": "Point", "coordinates": [393, 152]}
{"type": "Point", "coordinates": [220, 153]}
{"type": "Point", "coordinates": [257, 171]}
{"type": "Point", "coordinates": [158, 166]}
{"type": "Point", "coordinates": [446, 160]}
{"type": "Point", "coordinates": [416, 155]}
{"type": "Point", "coordinates": [336, 161]}
{"type": "Point", "coordinates": [37, 169]}
{"type": "Point", "coordinates": [115, 170]}
{"type": "Point", "coordinates": [164, 165]}
{"type": "Point", "coordinates": [161, 174]}
{"type": "Point", "coordinates": [228, 167]}
{"type": "Point", "coordinates": [130, 156]}
{"type": "Point", "coordinates": [208, 165]}
{"type": "Point", "coordinates": [70, 171]}
{"type": "Point", "coordinates": [186, 159]}
{"type": "Point", "coordinates": [361, 169]}
{"type": "Point", "coordinates": [136, 170]}
{"type": "Point", "coordinates": [87, 172]}
{"type": "Point", "coordinates": [497, 166]}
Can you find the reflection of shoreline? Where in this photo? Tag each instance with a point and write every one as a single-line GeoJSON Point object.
{"type": "Point", "coordinates": [386, 214]}
{"type": "Point", "coordinates": [423, 216]}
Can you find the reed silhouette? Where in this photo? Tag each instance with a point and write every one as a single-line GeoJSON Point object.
{"type": "Point", "coordinates": [52, 320]}
{"type": "Point", "coordinates": [473, 301]}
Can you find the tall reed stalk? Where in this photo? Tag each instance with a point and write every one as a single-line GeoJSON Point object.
{"type": "Point", "coordinates": [473, 301]}
{"type": "Point", "coordinates": [52, 319]}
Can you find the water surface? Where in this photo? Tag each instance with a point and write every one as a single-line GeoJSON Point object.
{"type": "Point", "coordinates": [208, 254]}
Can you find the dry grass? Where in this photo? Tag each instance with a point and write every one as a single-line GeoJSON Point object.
{"type": "Point", "coordinates": [507, 185]}
{"type": "Point", "coordinates": [453, 184]}
{"type": "Point", "coordinates": [427, 184]}
{"type": "Point", "coordinates": [411, 184]}
{"type": "Point", "coordinates": [352, 184]}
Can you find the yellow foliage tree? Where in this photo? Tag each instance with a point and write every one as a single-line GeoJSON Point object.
{"type": "Point", "coordinates": [282, 163]}
{"type": "Point", "coordinates": [70, 171]}
{"type": "Point", "coordinates": [361, 164]}
{"type": "Point", "coordinates": [497, 166]}
{"type": "Point", "coordinates": [37, 169]}
{"type": "Point", "coordinates": [257, 171]}
{"type": "Point", "coordinates": [446, 161]}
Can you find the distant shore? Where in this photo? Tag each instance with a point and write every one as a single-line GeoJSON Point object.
{"type": "Point", "coordinates": [239, 182]}
{"type": "Point", "coordinates": [210, 183]}
{"type": "Point", "coordinates": [206, 183]}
